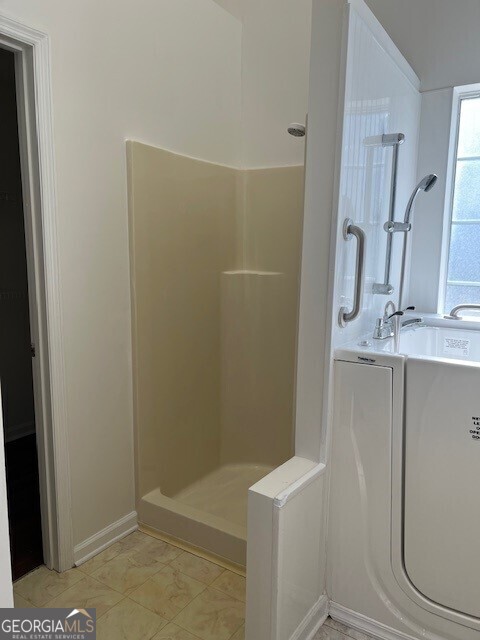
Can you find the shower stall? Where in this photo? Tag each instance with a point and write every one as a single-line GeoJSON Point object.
{"type": "Point", "coordinates": [215, 258]}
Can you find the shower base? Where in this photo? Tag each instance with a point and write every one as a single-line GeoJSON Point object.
{"type": "Point", "coordinates": [211, 513]}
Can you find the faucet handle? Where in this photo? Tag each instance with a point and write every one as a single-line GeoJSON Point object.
{"type": "Point", "coordinates": [401, 313]}
{"type": "Point", "coordinates": [397, 313]}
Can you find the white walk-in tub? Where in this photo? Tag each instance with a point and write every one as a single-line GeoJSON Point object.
{"type": "Point", "coordinates": [405, 506]}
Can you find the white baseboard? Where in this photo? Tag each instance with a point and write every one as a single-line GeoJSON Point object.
{"type": "Point", "coordinates": [312, 621]}
{"type": "Point", "coordinates": [104, 538]}
{"type": "Point", "coordinates": [366, 625]}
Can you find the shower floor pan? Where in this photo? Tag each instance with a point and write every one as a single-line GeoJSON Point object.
{"type": "Point", "coordinates": [211, 513]}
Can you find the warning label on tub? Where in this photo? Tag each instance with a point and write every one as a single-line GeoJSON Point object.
{"type": "Point", "coordinates": [456, 347]}
{"type": "Point", "coordinates": [475, 430]}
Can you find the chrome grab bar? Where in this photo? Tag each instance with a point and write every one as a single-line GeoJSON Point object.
{"type": "Point", "coordinates": [461, 307]}
{"type": "Point", "coordinates": [350, 230]}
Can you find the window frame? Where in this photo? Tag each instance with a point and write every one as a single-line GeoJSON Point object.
{"type": "Point", "coordinates": [460, 94]}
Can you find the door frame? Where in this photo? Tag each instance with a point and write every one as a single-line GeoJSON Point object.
{"type": "Point", "coordinates": [35, 117]}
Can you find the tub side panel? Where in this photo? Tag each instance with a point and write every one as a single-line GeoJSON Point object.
{"type": "Point", "coordinates": [358, 551]}
{"type": "Point", "coordinates": [442, 462]}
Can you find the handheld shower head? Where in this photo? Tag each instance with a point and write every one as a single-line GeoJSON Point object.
{"type": "Point", "coordinates": [426, 184]}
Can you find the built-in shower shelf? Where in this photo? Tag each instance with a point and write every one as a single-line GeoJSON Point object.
{"type": "Point", "coordinates": [252, 273]}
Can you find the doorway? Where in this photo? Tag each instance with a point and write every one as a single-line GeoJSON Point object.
{"type": "Point", "coordinates": [30, 49]}
{"type": "Point", "coordinates": [16, 346]}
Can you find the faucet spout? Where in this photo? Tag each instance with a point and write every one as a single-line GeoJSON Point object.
{"type": "Point", "coordinates": [412, 322]}
{"type": "Point", "coordinates": [390, 309]}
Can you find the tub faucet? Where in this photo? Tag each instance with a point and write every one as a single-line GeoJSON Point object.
{"type": "Point", "coordinates": [384, 327]}
{"type": "Point", "coordinates": [389, 325]}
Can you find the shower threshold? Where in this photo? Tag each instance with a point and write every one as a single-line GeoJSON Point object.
{"type": "Point", "coordinates": [210, 513]}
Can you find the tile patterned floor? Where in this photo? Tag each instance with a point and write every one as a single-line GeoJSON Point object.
{"type": "Point", "coordinates": [333, 630]}
{"type": "Point", "coordinates": [145, 589]}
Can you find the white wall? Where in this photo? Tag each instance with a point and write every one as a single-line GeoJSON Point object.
{"type": "Point", "coordinates": [164, 71]}
{"type": "Point", "coordinates": [423, 284]}
{"type": "Point", "coordinates": [275, 78]}
{"type": "Point", "coordinates": [325, 107]}
{"type": "Point", "coordinates": [438, 37]}
{"type": "Point", "coordinates": [170, 73]}
{"type": "Point", "coordinates": [235, 7]}
{"type": "Point", "coordinates": [276, 54]}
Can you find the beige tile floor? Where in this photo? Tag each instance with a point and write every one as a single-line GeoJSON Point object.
{"type": "Point", "coordinates": [333, 630]}
{"type": "Point", "coordinates": [144, 588]}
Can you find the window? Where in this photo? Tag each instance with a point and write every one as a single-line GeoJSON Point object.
{"type": "Point", "coordinates": [463, 272]}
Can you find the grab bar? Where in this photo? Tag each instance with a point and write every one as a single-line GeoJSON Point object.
{"type": "Point", "coordinates": [461, 307]}
{"type": "Point", "coordinates": [350, 230]}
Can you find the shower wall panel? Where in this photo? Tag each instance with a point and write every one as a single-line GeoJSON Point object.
{"type": "Point", "coordinates": [257, 368]}
{"type": "Point", "coordinates": [259, 321]}
{"type": "Point", "coordinates": [215, 257]}
{"type": "Point", "coordinates": [182, 237]}
{"type": "Point", "coordinates": [381, 97]}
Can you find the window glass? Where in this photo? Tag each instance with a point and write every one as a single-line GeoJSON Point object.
{"type": "Point", "coordinates": [466, 203]}
{"type": "Point", "coordinates": [463, 279]}
{"type": "Point", "coordinates": [469, 138]}
{"type": "Point", "coordinates": [464, 264]}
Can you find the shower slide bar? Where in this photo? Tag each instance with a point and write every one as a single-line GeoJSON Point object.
{"type": "Point", "coordinates": [350, 230]}
{"type": "Point", "coordinates": [393, 140]}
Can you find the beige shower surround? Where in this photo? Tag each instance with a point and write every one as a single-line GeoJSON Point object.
{"type": "Point", "coordinates": [215, 258]}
